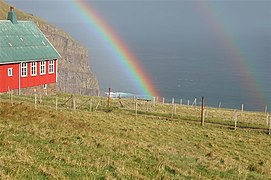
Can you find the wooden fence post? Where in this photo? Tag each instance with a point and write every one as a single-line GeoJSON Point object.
{"type": "Point", "coordinates": [136, 110]}
{"type": "Point", "coordinates": [194, 102]}
{"type": "Point", "coordinates": [172, 112]}
{"type": "Point", "coordinates": [9, 95]}
{"type": "Point", "coordinates": [90, 105]}
{"type": "Point", "coordinates": [188, 103]}
{"type": "Point", "coordinates": [235, 120]}
{"type": "Point", "coordinates": [153, 101]}
{"type": "Point", "coordinates": [172, 101]}
{"type": "Point", "coordinates": [267, 119]}
{"type": "Point", "coordinates": [202, 109]}
{"type": "Point", "coordinates": [101, 103]}
{"type": "Point", "coordinates": [242, 107]}
{"type": "Point", "coordinates": [147, 106]}
{"type": "Point", "coordinates": [11, 98]}
{"type": "Point", "coordinates": [265, 109]}
{"type": "Point", "coordinates": [73, 102]}
{"type": "Point", "coordinates": [108, 100]}
{"type": "Point", "coordinates": [56, 102]}
{"type": "Point", "coordinates": [181, 101]}
{"type": "Point", "coordinates": [35, 100]}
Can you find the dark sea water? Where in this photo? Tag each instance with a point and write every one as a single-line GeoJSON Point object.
{"type": "Point", "coordinates": [185, 68]}
{"type": "Point", "coordinates": [187, 73]}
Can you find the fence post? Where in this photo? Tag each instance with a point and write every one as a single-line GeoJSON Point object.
{"type": "Point", "coordinates": [265, 109]}
{"type": "Point", "coordinates": [11, 98]}
{"type": "Point", "coordinates": [73, 103]}
{"type": "Point", "coordinates": [101, 103]}
{"type": "Point", "coordinates": [153, 101]}
{"type": "Point", "coordinates": [136, 110]}
{"type": "Point", "coordinates": [194, 102]}
{"type": "Point", "coordinates": [202, 109]}
{"type": "Point", "coordinates": [181, 101]}
{"type": "Point", "coordinates": [188, 103]}
{"type": "Point", "coordinates": [172, 112]}
{"type": "Point", "coordinates": [35, 101]}
{"type": "Point", "coordinates": [242, 107]}
{"type": "Point", "coordinates": [172, 101]}
{"type": "Point", "coordinates": [108, 100]}
{"type": "Point", "coordinates": [147, 106]}
{"type": "Point", "coordinates": [235, 120]}
{"type": "Point", "coordinates": [267, 119]}
{"type": "Point", "coordinates": [56, 102]}
{"type": "Point", "coordinates": [90, 105]}
{"type": "Point", "coordinates": [9, 94]}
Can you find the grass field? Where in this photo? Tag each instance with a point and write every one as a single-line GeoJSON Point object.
{"type": "Point", "coordinates": [44, 143]}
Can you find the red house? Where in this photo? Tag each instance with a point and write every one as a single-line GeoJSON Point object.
{"type": "Point", "coordinates": [28, 60]}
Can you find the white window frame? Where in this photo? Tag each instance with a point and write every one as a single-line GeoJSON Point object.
{"type": "Point", "coordinates": [33, 69]}
{"type": "Point", "coordinates": [51, 67]}
{"type": "Point", "coordinates": [24, 69]}
{"type": "Point", "coordinates": [10, 72]}
{"type": "Point", "coordinates": [42, 67]}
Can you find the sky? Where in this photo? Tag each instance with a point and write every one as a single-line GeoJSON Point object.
{"type": "Point", "coordinates": [172, 39]}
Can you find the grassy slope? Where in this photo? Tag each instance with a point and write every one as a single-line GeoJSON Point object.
{"type": "Point", "coordinates": [4, 8]}
{"type": "Point", "coordinates": [48, 144]}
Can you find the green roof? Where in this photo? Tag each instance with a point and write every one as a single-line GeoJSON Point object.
{"type": "Point", "coordinates": [23, 41]}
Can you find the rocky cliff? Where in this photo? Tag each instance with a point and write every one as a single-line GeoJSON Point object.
{"type": "Point", "coordinates": [74, 72]}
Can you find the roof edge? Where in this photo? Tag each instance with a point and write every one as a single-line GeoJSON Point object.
{"type": "Point", "coordinates": [17, 62]}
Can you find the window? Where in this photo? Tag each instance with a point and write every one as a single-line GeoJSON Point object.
{"type": "Point", "coordinates": [42, 67]}
{"type": "Point", "coordinates": [9, 71]}
{"type": "Point", "coordinates": [51, 66]}
{"type": "Point", "coordinates": [24, 69]}
{"type": "Point", "coordinates": [33, 68]}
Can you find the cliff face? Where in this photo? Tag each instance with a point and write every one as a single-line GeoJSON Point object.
{"type": "Point", "coordinates": [74, 74]}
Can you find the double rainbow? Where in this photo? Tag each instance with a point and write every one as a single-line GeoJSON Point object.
{"type": "Point", "coordinates": [120, 50]}
{"type": "Point", "coordinates": [242, 63]}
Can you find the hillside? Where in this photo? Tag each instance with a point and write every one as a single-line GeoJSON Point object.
{"type": "Point", "coordinates": [75, 75]}
{"type": "Point", "coordinates": [44, 143]}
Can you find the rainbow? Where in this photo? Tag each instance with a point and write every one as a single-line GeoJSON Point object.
{"type": "Point", "coordinates": [120, 50]}
{"type": "Point", "coordinates": [238, 58]}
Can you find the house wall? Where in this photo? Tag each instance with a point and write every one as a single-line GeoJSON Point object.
{"type": "Point", "coordinates": [29, 82]}
{"type": "Point", "coordinates": [37, 80]}
{"type": "Point", "coordinates": [9, 82]}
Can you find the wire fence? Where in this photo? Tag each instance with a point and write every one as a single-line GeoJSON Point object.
{"type": "Point", "coordinates": [232, 118]}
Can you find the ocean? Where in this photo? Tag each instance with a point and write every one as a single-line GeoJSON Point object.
{"type": "Point", "coordinates": [186, 69]}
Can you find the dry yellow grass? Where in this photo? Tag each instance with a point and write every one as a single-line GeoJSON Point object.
{"type": "Point", "coordinates": [44, 143]}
